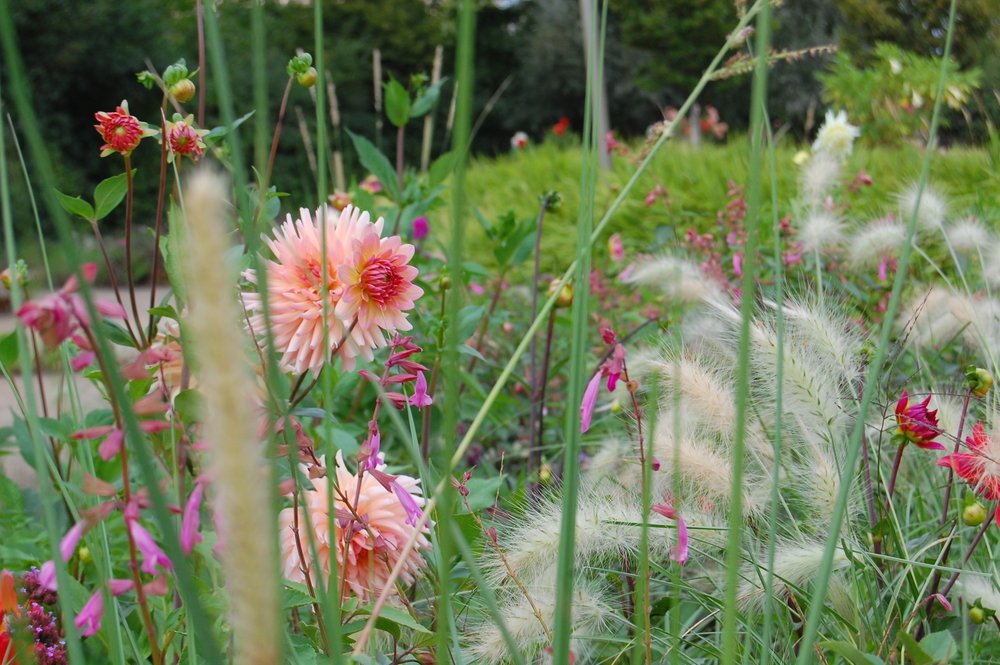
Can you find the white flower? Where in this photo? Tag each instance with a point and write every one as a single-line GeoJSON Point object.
{"type": "Point", "coordinates": [836, 136]}
{"type": "Point", "coordinates": [895, 65]}
{"type": "Point", "coordinates": [801, 157]}
{"type": "Point", "coordinates": [519, 141]}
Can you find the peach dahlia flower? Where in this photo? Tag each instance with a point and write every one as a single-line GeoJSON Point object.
{"type": "Point", "coordinates": [296, 290]}
{"type": "Point", "coordinates": [363, 563]}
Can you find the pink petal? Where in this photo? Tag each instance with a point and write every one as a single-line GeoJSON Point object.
{"type": "Point", "coordinates": [118, 586]}
{"type": "Point", "coordinates": [72, 538]}
{"type": "Point", "coordinates": [191, 520]}
{"type": "Point", "coordinates": [112, 445]}
{"type": "Point", "coordinates": [679, 552]}
{"type": "Point", "coordinates": [88, 621]}
{"type": "Point", "coordinates": [589, 402]}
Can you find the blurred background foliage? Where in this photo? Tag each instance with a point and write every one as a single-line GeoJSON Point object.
{"type": "Point", "coordinates": [83, 57]}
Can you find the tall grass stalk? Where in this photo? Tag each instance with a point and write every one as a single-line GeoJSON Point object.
{"type": "Point", "coordinates": [758, 105]}
{"type": "Point", "coordinates": [134, 439]}
{"type": "Point", "coordinates": [450, 367]}
{"type": "Point", "coordinates": [854, 446]}
{"type": "Point", "coordinates": [566, 569]}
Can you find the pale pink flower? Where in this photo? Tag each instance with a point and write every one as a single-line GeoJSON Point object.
{"type": "Point", "coordinates": [616, 248]}
{"type": "Point", "coordinates": [378, 288]}
{"type": "Point", "coordinates": [72, 538]}
{"type": "Point", "coordinates": [296, 289]}
{"type": "Point", "coordinates": [364, 562]}
{"type": "Point", "coordinates": [152, 555]}
{"type": "Point", "coordinates": [88, 621]}
{"type": "Point", "coordinates": [191, 520]}
{"type": "Point", "coordinates": [589, 402]}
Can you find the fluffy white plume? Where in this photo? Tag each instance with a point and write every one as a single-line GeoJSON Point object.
{"type": "Point", "coordinates": [821, 231]}
{"type": "Point", "coordinates": [681, 280]}
{"type": "Point", "coordinates": [876, 241]}
{"type": "Point", "coordinates": [970, 236]}
{"type": "Point", "coordinates": [819, 176]}
{"type": "Point", "coordinates": [932, 212]}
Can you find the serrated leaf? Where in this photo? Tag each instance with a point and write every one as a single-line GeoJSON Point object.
{"type": "Point", "coordinates": [74, 205]}
{"type": "Point", "coordinates": [109, 193]}
{"type": "Point", "coordinates": [397, 103]}
{"type": "Point", "coordinates": [377, 163]}
{"type": "Point", "coordinates": [427, 100]}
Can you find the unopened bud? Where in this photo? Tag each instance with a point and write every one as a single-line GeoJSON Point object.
{"type": "Point", "coordinates": [977, 615]}
{"type": "Point", "coordinates": [974, 514]}
{"type": "Point", "coordinates": [307, 79]}
{"type": "Point", "coordinates": [84, 553]}
{"type": "Point", "coordinates": [183, 91]}
{"type": "Point", "coordinates": [565, 291]}
{"type": "Point", "coordinates": [545, 473]}
{"type": "Point", "coordinates": [980, 380]}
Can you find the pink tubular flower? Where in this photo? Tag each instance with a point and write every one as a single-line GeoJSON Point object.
{"type": "Point", "coordinates": [378, 285]}
{"type": "Point", "coordinates": [47, 576]}
{"type": "Point", "coordinates": [616, 248]}
{"type": "Point", "coordinates": [918, 425]}
{"type": "Point", "coordinates": [296, 290]}
{"type": "Point", "coordinates": [72, 538]}
{"type": "Point", "coordinates": [420, 398]}
{"type": "Point", "coordinates": [88, 621]}
{"type": "Point", "coordinates": [120, 130]}
{"type": "Point", "coordinates": [191, 520]}
{"type": "Point", "coordinates": [152, 555]}
{"type": "Point", "coordinates": [371, 185]}
{"type": "Point", "coordinates": [679, 552]}
{"type": "Point", "coordinates": [980, 467]}
{"type": "Point", "coordinates": [421, 228]}
{"type": "Point", "coordinates": [589, 402]}
{"type": "Point", "coordinates": [363, 553]}
{"type": "Point", "coordinates": [413, 512]}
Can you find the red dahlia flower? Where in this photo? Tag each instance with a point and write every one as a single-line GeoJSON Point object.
{"type": "Point", "coordinates": [916, 424]}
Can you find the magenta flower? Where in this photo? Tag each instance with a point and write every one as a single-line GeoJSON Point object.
{"type": "Point", "coordinates": [191, 520]}
{"type": "Point", "coordinates": [589, 402]}
{"type": "Point", "coordinates": [88, 621]}
{"type": "Point", "coordinates": [120, 586]}
{"type": "Point", "coordinates": [47, 576]}
{"type": "Point", "coordinates": [916, 424]}
{"type": "Point", "coordinates": [369, 454]}
{"type": "Point", "coordinates": [421, 228]}
{"type": "Point", "coordinates": [978, 467]}
{"type": "Point", "coordinates": [616, 248]}
{"type": "Point", "coordinates": [413, 512]}
{"type": "Point", "coordinates": [678, 552]}
{"type": "Point", "coordinates": [152, 555]}
{"type": "Point", "coordinates": [420, 398]}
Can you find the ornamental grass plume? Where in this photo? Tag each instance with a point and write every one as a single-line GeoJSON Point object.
{"type": "Point", "coordinates": [933, 209]}
{"type": "Point", "coordinates": [366, 551]}
{"type": "Point", "coordinates": [236, 465]}
{"type": "Point", "coordinates": [693, 442]}
{"type": "Point", "coordinates": [368, 291]}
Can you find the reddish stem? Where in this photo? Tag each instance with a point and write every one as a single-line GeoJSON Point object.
{"type": "Point", "coordinates": [160, 198]}
{"type": "Point", "coordinates": [958, 443]}
{"type": "Point", "coordinates": [128, 247]}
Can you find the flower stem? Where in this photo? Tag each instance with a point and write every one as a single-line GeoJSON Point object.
{"type": "Point", "coordinates": [160, 199]}
{"type": "Point", "coordinates": [968, 554]}
{"type": "Point", "coordinates": [536, 408]}
{"type": "Point", "coordinates": [951, 472]}
{"type": "Point", "coordinates": [895, 471]}
{"type": "Point", "coordinates": [112, 278]}
{"type": "Point", "coordinates": [128, 247]}
{"type": "Point", "coordinates": [277, 134]}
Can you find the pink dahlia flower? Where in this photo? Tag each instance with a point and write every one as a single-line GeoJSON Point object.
{"type": "Point", "coordinates": [378, 285]}
{"type": "Point", "coordinates": [372, 550]}
{"type": "Point", "coordinates": [120, 130]}
{"type": "Point", "coordinates": [296, 290]}
{"type": "Point", "coordinates": [916, 423]}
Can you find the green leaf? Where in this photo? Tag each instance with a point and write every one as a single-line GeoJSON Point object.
{"type": "Point", "coordinates": [171, 247]}
{"type": "Point", "coordinates": [427, 100]}
{"type": "Point", "coordinates": [109, 193]}
{"type": "Point", "coordinates": [940, 646]}
{"type": "Point", "coordinates": [8, 350]}
{"type": "Point", "coordinates": [914, 652]}
{"type": "Point", "coordinates": [391, 616]}
{"type": "Point", "coordinates": [74, 205]}
{"type": "Point", "coordinates": [851, 653]}
{"type": "Point", "coordinates": [397, 103]}
{"type": "Point", "coordinates": [441, 169]}
{"type": "Point", "coordinates": [190, 406]}
{"type": "Point", "coordinates": [116, 334]}
{"type": "Point", "coordinates": [377, 163]}
{"type": "Point", "coordinates": [218, 132]}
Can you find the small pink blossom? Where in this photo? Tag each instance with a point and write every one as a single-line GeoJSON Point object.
{"type": "Point", "coordinates": [420, 398]}
{"type": "Point", "coordinates": [371, 185]}
{"type": "Point", "coordinates": [413, 512]}
{"type": "Point", "coordinates": [120, 586]}
{"type": "Point", "coordinates": [72, 538]}
{"type": "Point", "coordinates": [47, 576]}
{"type": "Point", "coordinates": [616, 248]}
{"type": "Point", "coordinates": [916, 424]}
{"type": "Point", "coordinates": [738, 264]}
{"type": "Point", "coordinates": [589, 402]}
{"type": "Point", "coordinates": [152, 555]}
{"type": "Point", "coordinates": [88, 621]}
{"type": "Point", "coordinates": [191, 520]}
{"type": "Point", "coordinates": [476, 288]}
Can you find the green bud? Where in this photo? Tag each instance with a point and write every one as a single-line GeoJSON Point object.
{"type": "Point", "coordinates": [307, 79]}
{"type": "Point", "coordinates": [299, 64]}
{"type": "Point", "coordinates": [183, 91]}
{"type": "Point", "coordinates": [977, 614]}
{"type": "Point", "coordinates": [175, 73]}
{"type": "Point", "coordinates": [980, 380]}
{"type": "Point", "coordinates": [974, 514]}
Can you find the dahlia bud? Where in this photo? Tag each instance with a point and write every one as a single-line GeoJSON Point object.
{"type": "Point", "coordinates": [565, 291]}
{"type": "Point", "coordinates": [977, 615]}
{"type": "Point", "coordinates": [84, 553]}
{"type": "Point", "coordinates": [183, 91]}
{"type": "Point", "coordinates": [307, 79]}
{"type": "Point", "coordinates": [974, 514]}
{"type": "Point", "coordinates": [980, 380]}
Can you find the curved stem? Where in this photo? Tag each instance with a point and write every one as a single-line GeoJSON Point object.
{"type": "Point", "coordinates": [160, 198]}
{"type": "Point", "coordinates": [277, 133]}
{"type": "Point", "coordinates": [958, 443]}
{"type": "Point", "coordinates": [895, 471]}
{"type": "Point", "coordinates": [112, 278]}
{"type": "Point", "coordinates": [128, 247]}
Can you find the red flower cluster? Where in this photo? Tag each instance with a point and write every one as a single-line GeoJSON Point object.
{"type": "Point", "coordinates": [560, 127]}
